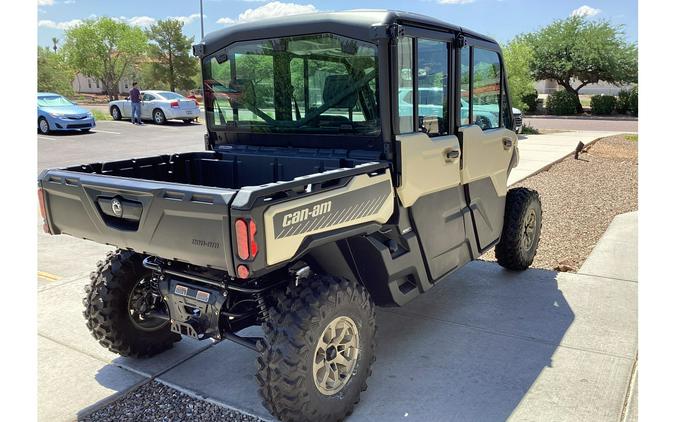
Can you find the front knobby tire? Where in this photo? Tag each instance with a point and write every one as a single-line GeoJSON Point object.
{"type": "Point", "coordinates": [106, 308]}
{"type": "Point", "coordinates": [318, 350]}
{"type": "Point", "coordinates": [522, 228]}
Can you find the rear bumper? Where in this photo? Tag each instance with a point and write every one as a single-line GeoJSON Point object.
{"type": "Point", "coordinates": [179, 114]}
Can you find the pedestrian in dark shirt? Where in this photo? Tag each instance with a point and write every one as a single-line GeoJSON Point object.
{"type": "Point", "coordinates": [135, 97]}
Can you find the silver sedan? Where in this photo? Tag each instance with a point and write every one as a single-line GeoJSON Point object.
{"type": "Point", "coordinates": [158, 106]}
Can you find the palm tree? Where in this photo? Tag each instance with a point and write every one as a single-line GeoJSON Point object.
{"type": "Point", "coordinates": [55, 41]}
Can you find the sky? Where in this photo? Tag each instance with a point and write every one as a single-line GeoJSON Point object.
{"type": "Point", "coordinates": [500, 19]}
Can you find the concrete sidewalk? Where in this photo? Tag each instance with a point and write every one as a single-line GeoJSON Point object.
{"type": "Point", "coordinates": [538, 152]}
{"type": "Point", "coordinates": [486, 345]}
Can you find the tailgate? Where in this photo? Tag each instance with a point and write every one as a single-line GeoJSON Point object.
{"type": "Point", "coordinates": [173, 221]}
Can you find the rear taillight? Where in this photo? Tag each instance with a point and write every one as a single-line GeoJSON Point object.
{"type": "Point", "coordinates": [43, 210]}
{"type": "Point", "coordinates": [175, 104]}
{"type": "Point", "coordinates": [245, 230]}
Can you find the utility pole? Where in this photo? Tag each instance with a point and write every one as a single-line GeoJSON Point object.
{"type": "Point", "coordinates": [201, 14]}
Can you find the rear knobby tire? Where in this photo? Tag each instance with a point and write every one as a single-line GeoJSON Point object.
{"type": "Point", "coordinates": [522, 227]}
{"type": "Point", "coordinates": [299, 321]}
{"type": "Point", "coordinates": [106, 308]}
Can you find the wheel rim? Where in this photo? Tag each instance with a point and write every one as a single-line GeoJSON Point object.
{"type": "Point", "coordinates": [138, 295]}
{"type": "Point", "coordinates": [158, 117]}
{"type": "Point", "coordinates": [335, 356]}
{"type": "Point", "coordinates": [116, 114]}
{"type": "Point", "coordinates": [44, 126]}
{"type": "Point", "coordinates": [529, 230]}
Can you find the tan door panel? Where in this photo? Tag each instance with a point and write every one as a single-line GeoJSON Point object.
{"type": "Point", "coordinates": [428, 165]}
{"type": "Point", "coordinates": [487, 154]}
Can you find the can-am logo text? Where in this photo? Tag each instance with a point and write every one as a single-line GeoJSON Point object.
{"type": "Point", "coordinates": [303, 214]}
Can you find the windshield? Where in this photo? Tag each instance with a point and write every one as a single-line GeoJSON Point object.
{"type": "Point", "coordinates": [53, 101]}
{"type": "Point", "coordinates": [307, 84]}
{"type": "Point", "coordinates": [170, 95]}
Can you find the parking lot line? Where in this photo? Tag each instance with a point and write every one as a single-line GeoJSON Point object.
{"type": "Point", "coordinates": [106, 131]}
{"type": "Point", "coordinates": [48, 276]}
{"type": "Point", "coordinates": [47, 138]}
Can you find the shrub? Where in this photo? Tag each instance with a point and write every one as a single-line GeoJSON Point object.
{"type": "Point", "coordinates": [623, 102]}
{"type": "Point", "coordinates": [603, 104]}
{"type": "Point", "coordinates": [633, 101]}
{"type": "Point", "coordinates": [561, 103]}
{"type": "Point", "coordinates": [530, 100]}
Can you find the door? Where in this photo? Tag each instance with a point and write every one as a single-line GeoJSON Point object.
{"type": "Point", "coordinates": [147, 105]}
{"type": "Point", "coordinates": [430, 184]}
{"type": "Point", "coordinates": [487, 145]}
{"type": "Point", "coordinates": [126, 107]}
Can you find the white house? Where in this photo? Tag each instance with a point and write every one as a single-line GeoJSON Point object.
{"type": "Point", "coordinates": [87, 85]}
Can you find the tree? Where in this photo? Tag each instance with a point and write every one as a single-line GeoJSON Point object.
{"type": "Point", "coordinates": [579, 51]}
{"type": "Point", "coordinates": [54, 74]}
{"type": "Point", "coordinates": [105, 49]}
{"type": "Point", "coordinates": [517, 57]}
{"type": "Point", "coordinates": [170, 55]}
{"type": "Point", "coordinates": [55, 42]}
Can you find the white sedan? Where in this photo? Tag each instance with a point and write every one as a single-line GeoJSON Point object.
{"type": "Point", "coordinates": [158, 106]}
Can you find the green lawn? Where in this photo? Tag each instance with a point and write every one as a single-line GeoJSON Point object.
{"type": "Point", "coordinates": [99, 115]}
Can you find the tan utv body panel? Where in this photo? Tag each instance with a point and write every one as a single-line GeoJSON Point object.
{"type": "Point", "coordinates": [425, 167]}
{"type": "Point", "coordinates": [485, 155]}
{"type": "Point", "coordinates": [365, 199]}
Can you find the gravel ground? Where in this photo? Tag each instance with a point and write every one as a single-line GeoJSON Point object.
{"type": "Point", "coordinates": [157, 402]}
{"type": "Point", "coordinates": [580, 198]}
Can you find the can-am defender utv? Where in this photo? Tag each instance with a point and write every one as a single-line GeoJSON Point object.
{"type": "Point", "coordinates": [353, 159]}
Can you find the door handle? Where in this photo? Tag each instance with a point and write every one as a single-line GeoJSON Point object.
{"type": "Point", "coordinates": [508, 143]}
{"type": "Point", "coordinates": [451, 154]}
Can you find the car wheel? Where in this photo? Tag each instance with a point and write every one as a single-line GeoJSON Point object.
{"type": "Point", "coordinates": [43, 125]}
{"type": "Point", "coordinates": [318, 350]}
{"type": "Point", "coordinates": [115, 113]}
{"type": "Point", "coordinates": [120, 288]}
{"type": "Point", "coordinates": [158, 117]}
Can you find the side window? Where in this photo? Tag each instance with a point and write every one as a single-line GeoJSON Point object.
{"type": "Point", "coordinates": [432, 91]}
{"type": "Point", "coordinates": [465, 78]}
{"type": "Point", "coordinates": [148, 97]}
{"type": "Point", "coordinates": [486, 93]}
{"type": "Point", "coordinates": [405, 85]}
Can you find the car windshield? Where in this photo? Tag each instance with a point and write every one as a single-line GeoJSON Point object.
{"type": "Point", "coordinates": [53, 101]}
{"type": "Point", "coordinates": [320, 83]}
{"type": "Point", "coordinates": [170, 95]}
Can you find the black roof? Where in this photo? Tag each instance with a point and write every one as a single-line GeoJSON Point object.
{"type": "Point", "coordinates": [354, 23]}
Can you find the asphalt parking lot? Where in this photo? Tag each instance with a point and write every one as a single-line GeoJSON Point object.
{"type": "Point", "coordinates": [114, 140]}
{"type": "Point", "coordinates": [627, 125]}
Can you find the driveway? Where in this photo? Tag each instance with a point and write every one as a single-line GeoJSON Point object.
{"type": "Point", "coordinates": [585, 124]}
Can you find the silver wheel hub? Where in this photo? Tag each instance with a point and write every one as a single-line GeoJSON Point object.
{"type": "Point", "coordinates": [158, 117]}
{"type": "Point", "coordinates": [335, 356]}
{"type": "Point", "coordinates": [44, 126]}
{"type": "Point", "coordinates": [530, 229]}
